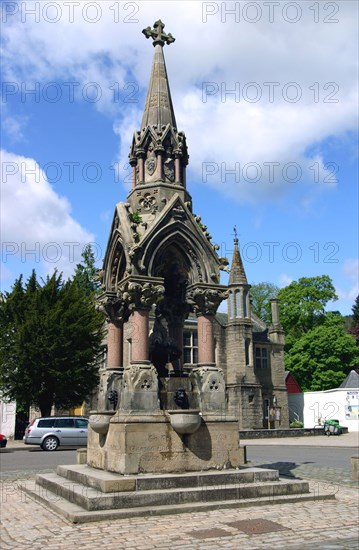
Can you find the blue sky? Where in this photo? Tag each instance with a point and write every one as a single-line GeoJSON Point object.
{"type": "Point", "coordinates": [267, 97]}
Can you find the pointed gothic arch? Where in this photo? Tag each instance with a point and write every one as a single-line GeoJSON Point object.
{"type": "Point", "coordinates": [180, 238]}
{"type": "Point", "coordinates": [116, 265]}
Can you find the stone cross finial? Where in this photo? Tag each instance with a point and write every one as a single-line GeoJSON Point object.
{"type": "Point", "coordinates": [157, 34]}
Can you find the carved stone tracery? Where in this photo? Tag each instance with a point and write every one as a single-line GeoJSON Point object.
{"type": "Point", "coordinates": [209, 379]}
{"type": "Point", "coordinates": [140, 378]}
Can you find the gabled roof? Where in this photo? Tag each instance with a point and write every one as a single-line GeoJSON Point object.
{"type": "Point", "coordinates": [351, 381]}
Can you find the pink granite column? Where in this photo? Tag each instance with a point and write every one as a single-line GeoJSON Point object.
{"type": "Point", "coordinates": [206, 353]}
{"type": "Point", "coordinates": [141, 170]}
{"type": "Point", "coordinates": [140, 331]}
{"type": "Point", "coordinates": [114, 345]}
{"type": "Point", "coordinates": [133, 177]}
{"type": "Point", "coordinates": [177, 170]}
{"type": "Point", "coordinates": [159, 165]}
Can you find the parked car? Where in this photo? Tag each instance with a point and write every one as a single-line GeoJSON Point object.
{"type": "Point", "coordinates": [54, 431]}
{"type": "Point", "coordinates": [3, 441]}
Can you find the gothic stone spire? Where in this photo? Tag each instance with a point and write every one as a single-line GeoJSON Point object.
{"type": "Point", "coordinates": [159, 152]}
{"type": "Point", "coordinates": [237, 273]}
{"type": "Point", "coordinates": [158, 108]}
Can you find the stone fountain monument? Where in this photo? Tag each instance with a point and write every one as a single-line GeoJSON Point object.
{"type": "Point", "coordinates": [160, 258]}
{"type": "Point", "coordinates": [162, 440]}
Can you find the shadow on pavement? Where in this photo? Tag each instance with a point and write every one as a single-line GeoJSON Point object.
{"type": "Point", "coordinates": [284, 468]}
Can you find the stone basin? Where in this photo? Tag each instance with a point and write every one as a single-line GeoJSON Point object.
{"type": "Point", "coordinates": [185, 421]}
{"type": "Point", "coordinates": [100, 421]}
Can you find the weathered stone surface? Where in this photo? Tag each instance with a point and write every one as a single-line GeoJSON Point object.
{"type": "Point", "coordinates": [148, 443]}
{"type": "Point", "coordinates": [93, 499]}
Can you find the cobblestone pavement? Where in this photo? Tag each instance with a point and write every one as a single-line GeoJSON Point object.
{"type": "Point", "coordinates": [324, 525]}
{"type": "Point", "coordinates": [308, 471]}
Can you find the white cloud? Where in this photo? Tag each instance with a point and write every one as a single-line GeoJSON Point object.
{"type": "Point", "coordinates": [285, 280]}
{"type": "Point", "coordinates": [36, 223]}
{"type": "Point", "coordinates": [350, 271]}
{"type": "Point", "coordinates": [14, 126]}
{"type": "Point", "coordinates": [310, 57]}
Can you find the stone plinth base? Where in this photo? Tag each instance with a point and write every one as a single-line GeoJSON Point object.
{"type": "Point", "coordinates": [148, 444]}
{"type": "Point", "coordinates": [82, 494]}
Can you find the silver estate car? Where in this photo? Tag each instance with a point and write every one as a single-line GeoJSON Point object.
{"type": "Point", "coordinates": [54, 431]}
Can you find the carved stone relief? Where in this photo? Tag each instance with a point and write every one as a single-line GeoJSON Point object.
{"type": "Point", "coordinates": [140, 378]}
{"type": "Point", "coordinates": [139, 295]}
{"type": "Point", "coordinates": [112, 306]}
{"type": "Point", "coordinates": [209, 379]}
{"type": "Point", "coordinates": [150, 165]}
{"type": "Point", "coordinates": [197, 264]}
{"type": "Point", "coordinates": [210, 385]}
{"type": "Point", "coordinates": [147, 202]}
{"type": "Point", "coordinates": [206, 301]}
{"type": "Point", "coordinates": [169, 169]}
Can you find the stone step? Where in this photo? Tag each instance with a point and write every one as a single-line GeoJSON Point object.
{"type": "Point", "coordinates": [76, 514]}
{"type": "Point", "coordinates": [108, 482]}
{"type": "Point", "coordinates": [92, 499]}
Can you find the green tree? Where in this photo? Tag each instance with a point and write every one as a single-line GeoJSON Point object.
{"type": "Point", "coordinates": [50, 343]}
{"type": "Point", "coordinates": [354, 330]}
{"type": "Point", "coordinates": [86, 272]}
{"type": "Point", "coordinates": [355, 310]}
{"type": "Point", "coordinates": [321, 358]}
{"type": "Point", "coordinates": [261, 295]}
{"type": "Point", "coordinates": [302, 305]}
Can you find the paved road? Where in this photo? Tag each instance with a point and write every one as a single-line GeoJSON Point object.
{"type": "Point", "coordinates": [320, 456]}
{"type": "Point", "coordinates": [16, 463]}
{"type": "Point", "coordinates": [327, 459]}
{"type": "Point", "coordinates": [329, 464]}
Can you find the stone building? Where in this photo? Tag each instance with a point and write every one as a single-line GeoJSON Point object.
{"type": "Point", "coordinates": [161, 287]}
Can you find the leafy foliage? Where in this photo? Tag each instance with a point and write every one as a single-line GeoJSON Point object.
{"type": "Point", "coordinates": [135, 217]}
{"type": "Point", "coordinates": [86, 272]}
{"type": "Point", "coordinates": [296, 424]}
{"type": "Point", "coordinates": [355, 321]}
{"type": "Point", "coordinates": [322, 357]}
{"type": "Point", "coordinates": [261, 295]}
{"type": "Point", "coordinates": [50, 343]}
{"type": "Point", "coordinates": [355, 310]}
{"type": "Point", "coordinates": [302, 305]}
{"type": "Point", "coordinates": [318, 351]}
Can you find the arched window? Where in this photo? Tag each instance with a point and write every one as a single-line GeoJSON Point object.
{"type": "Point", "coordinates": [245, 313]}
{"type": "Point", "coordinates": [238, 303]}
{"type": "Point", "coordinates": [231, 305]}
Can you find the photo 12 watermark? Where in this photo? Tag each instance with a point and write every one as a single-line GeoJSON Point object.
{"type": "Point", "coordinates": [70, 11]}
{"type": "Point", "coordinates": [51, 252]}
{"type": "Point", "coordinates": [270, 252]}
{"type": "Point", "coordinates": [271, 12]}
{"type": "Point", "coordinates": [69, 92]}
{"type": "Point", "coordinates": [270, 92]}
{"type": "Point", "coordinates": [269, 172]}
